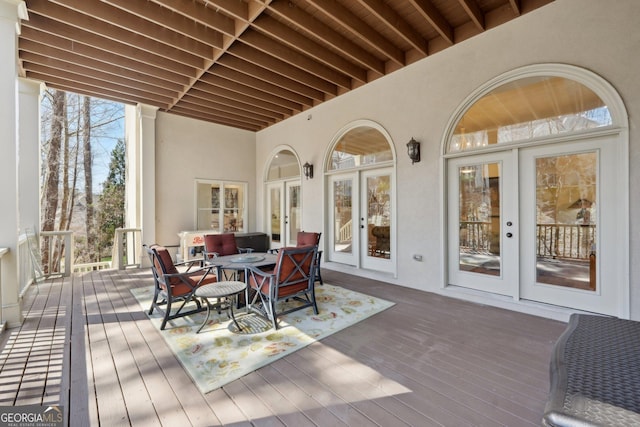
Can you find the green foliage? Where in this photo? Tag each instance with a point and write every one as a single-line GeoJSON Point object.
{"type": "Point", "coordinates": [111, 201]}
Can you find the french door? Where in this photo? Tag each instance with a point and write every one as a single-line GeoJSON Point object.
{"type": "Point", "coordinates": [483, 236]}
{"type": "Point", "coordinates": [284, 208]}
{"type": "Point", "coordinates": [539, 224]}
{"type": "Point", "coordinates": [574, 247]}
{"type": "Point", "coordinates": [361, 215]}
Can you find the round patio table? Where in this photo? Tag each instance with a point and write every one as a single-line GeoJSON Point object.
{"type": "Point", "coordinates": [226, 292]}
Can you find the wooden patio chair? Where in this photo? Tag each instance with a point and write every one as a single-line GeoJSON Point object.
{"type": "Point", "coordinates": [172, 285]}
{"type": "Point", "coordinates": [291, 279]}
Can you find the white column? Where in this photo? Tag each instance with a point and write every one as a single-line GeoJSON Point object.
{"type": "Point", "coordinates": [141, 172]}
{"type": "Point", "coordinates": [10, 13]}
{"type": "Point", "coordinates": [29, 154]}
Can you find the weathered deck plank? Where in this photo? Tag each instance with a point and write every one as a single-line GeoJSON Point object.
{"type": "Point", "coordinates": [428, 361]}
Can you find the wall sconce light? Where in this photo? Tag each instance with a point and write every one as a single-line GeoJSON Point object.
{"type": "Point", "coordinates": [307, 169]}
{"type": "Point", "coordinates": [413, 149]}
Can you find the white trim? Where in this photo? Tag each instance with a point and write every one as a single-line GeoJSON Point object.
{"type": "Point", "coordinates": [327, 173]}
{"type": "Point", "coordinates": [588, 78]}
{"type": "Point", "coordinates": [272, 154]}
{"type": "Point", "coordinates": [355, 124]}
{"type": "Point", "coordinates": [620, 126]}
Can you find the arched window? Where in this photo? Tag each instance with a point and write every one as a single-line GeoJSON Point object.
{"type": "Point", "coordinates": [526, 109]}
{"type": "Point", "coordinates": [360, 146]}
{"type": "Point", "coordinates": [361, 197]}
{"type": "Point", "coordinates": [283, 165]}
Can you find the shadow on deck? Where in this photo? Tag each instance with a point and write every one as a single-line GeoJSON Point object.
{"type": "Point", "coordinates": [429, 360]}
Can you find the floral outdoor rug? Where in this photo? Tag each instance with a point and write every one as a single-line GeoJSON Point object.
{"type": "Point", "coordinates": [220, 353]}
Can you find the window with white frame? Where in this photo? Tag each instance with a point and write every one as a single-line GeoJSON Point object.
{"type": "Point", "coordinates": [221, 206]}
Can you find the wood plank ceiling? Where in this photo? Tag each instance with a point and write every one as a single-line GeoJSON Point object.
{"type": "Point", "coordinates": [242, 63]}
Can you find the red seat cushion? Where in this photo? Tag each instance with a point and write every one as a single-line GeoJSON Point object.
{"type": "Point", "coordinates": [222, 244]}
{"type": "Point", "coordinates": [178, 287]}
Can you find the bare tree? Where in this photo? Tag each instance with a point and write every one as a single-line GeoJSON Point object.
{"type": "Point", "coordinates": [88, 179]}
{"type": "Point", "coordinates": [52, 173]}
{"type": "Point", "coordinates": [83, 134]}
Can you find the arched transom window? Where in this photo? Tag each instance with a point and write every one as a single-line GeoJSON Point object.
{"type": "Point", "coordinates": [360, 146]}
{"type": "Point", "coordinates": [283, 165]}
{"type": "Point", "coordinates": [526, 109]}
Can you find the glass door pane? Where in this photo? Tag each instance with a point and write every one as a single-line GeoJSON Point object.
{"type": "Point", "coordinates": [275, 214]}
{"type": "Point", "coordinates": [294, 211]}
{"type": "Point", "coordinates": [566, 190]}
{"type": "Point", "coordinates": [343, 216]}
{"type": "Point", "coordinates": [479, 218]}
{"type": "Point", "coordinates": [378, 209]}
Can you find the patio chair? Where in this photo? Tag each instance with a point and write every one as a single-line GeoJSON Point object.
{"type": "Point", "coordinates": [291, 279]}
{"type": "Point", "coordinates": [306, 238]}
{"type": "Point", "coordinates": [172, 285]}
{"type": "Point", "coordinates": [221, 245]}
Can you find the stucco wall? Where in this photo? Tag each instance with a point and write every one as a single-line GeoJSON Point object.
{"type": "Point", "coordinates": [187, 150]}
{"type": "Point", "coordinates": [418, 101]}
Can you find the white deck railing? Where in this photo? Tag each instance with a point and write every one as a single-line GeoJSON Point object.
{"type": "Point", "coordinates": [127, 248]}
{"type": "Point", "coordinates": [58, 263]}
{"type": "Point", "coordinates": [91, 266]}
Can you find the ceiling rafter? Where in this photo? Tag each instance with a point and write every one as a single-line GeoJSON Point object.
{"type": "Point", "coordinates": [110, 76]}
{"type": "Point", "coordinates": [360, 29]}
{"type": "Point", "coordinates": [295, 58]}
{"type": "Point", "coordinates": [434, 18]}
{"type": "Point", "coordinates": [268, 76]}
{"type": "Point", "coordinates": [288, 36]}
{"type": "Point", "coordinates": [76, 26]}
{"type": "Point", "coordinates": [56, 47]}
{"type": "Point", "coordinates": [243, 63]}
{"type": "Point", "coordinates": [516, 6]}
{"type": "Point", "coordinates": [260, 58]}
{"type": "Point", "coordinates": [124, 27]}
{"type": "Point", "coordinates": [387, 15]}
{"type": "Point", "coordinates": [474, 12]}
{"type": "Point", "coordinates": [312, 27]}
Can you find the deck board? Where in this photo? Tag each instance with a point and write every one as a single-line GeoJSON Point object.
{"type": "Point", "coordinates": [429, 360]}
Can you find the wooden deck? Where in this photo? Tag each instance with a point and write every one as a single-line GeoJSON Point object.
{"type": "Point", "coordinates": [427, 361]}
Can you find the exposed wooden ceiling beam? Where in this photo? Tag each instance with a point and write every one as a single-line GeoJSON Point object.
{"type": "Point", "coordinates": [434, 18]}
{"type": "Point", "coordinates": [241, 63]}
{"type": "Point", "coordinates": [268, 76]}
{"type": "Point", "coordinates": [314, 28]}
{"type": "Point", "coordinates": [516, 6]}
{"type": "Point", "coordinates": [357, 27]}
{"type": "Point", "coordinates": [296, 59]}
{"type": "Point", "coordinates": [258, 57]}
{"type": "Point", "coordinates": [387, 15]}
{"type": "Point", "coordinates": [33, 40]}
{"type": "Point", "coordinates": [294, 40]}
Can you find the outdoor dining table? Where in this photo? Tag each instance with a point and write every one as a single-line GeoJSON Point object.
{"type": "Point", "coordinates": [237, 263]}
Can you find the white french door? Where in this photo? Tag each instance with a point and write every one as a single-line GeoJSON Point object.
{"type": "Point", "coordinates": [284, 208]}
{"type": "Point", "coordinates": [483, 224]}
{"type": "Point", "coordinates": [361, 215]}
{"type": "Point", "coordinates": [572, 254]}
{"type": "Point", "coordinates": [540, 223]}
